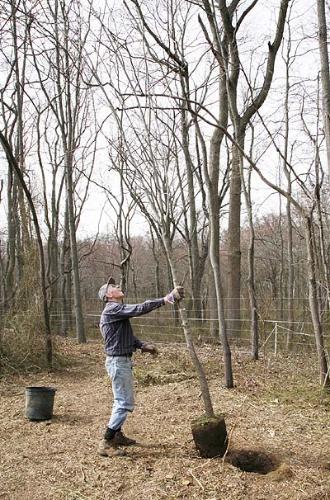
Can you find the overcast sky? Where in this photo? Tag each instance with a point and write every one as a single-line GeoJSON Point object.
{"type": "Point", "coordinates": [258, 29]}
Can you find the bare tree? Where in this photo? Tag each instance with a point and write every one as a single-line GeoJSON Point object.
{"type": "Point", "coordinates": [325, 73]}
{"type": "Point", "coordinates": [227, 45]}
{"type": "Point", "coordinates": [148, 170]}
{"type": "Point", "coordinates": [123, 210]}
{"type": "Point", "coordinates": [305, 208]}
{"type": "Point", "coordinates": [68, 100]}
{"type": "Point", "coordinates": [251, 257]}
{"type": "Point", "coordinates": [288, 60]}
{"type": "Point", "coordinates": [15, 166]}
{"type": "Point", "coordinates": [156, 196]}
{"type": "Point", "coordinates": [14, 124]}
{"type": "Point", "coordinates": [210, 167]}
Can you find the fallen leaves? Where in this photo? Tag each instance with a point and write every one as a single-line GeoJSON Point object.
{"type": "Point", "coordinates": [57, 460]}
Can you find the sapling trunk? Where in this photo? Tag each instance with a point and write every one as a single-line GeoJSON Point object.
{"type": "Point", "coordinates": [189, 341]}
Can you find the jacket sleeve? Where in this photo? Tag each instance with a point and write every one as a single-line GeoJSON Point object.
{"type": "Point", "coordinates": [124, 311]}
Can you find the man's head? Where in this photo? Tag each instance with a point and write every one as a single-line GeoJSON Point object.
{"type": "Point", "coordinates": [110, 291]}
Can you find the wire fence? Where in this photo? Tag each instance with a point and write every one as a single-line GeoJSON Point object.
{"type": "Point", "coordinates": [275, 332]}
{"type": "Point", "coordinates": [163, 326]}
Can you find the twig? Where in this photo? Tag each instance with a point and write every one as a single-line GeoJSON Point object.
{"type": "Point", "coordinates": [231, 433]}
{"type": "Point", "coordinates": [197, 480]}
{"type": "Point", "coordinates": [228, 441]}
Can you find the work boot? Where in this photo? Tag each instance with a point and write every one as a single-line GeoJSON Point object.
{"type": "Point", "coordinates": [121, 440]}
{"type": "Point", "coordinates": [108, 448]}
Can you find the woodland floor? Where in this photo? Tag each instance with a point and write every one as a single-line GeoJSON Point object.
{"type": "Point", "coordinates": [276, 407]}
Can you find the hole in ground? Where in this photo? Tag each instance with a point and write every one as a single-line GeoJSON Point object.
{"type": "Point", "coordinates": [255, 461]}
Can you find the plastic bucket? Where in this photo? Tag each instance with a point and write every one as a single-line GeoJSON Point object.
{"type": "Point", "coordinates": [39, 403]}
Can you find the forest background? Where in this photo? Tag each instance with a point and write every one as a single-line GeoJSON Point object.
{"type": "Point", "coordinates": [165, 142]}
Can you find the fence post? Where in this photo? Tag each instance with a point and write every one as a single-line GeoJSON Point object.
{"type": "Point", "coordinates": [275, 340]}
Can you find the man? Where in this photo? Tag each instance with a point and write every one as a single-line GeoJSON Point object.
{"type": "Point", "coordinates": [119, 345]}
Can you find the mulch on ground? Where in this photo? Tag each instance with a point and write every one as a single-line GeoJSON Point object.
{"type": "Point", "coordinates": [276, 408]}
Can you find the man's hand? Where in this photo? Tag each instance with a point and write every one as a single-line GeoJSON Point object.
{"type": "Point", "coordinates": [150, 348]}
{"type": "Point", "coordinates": [175, 295]}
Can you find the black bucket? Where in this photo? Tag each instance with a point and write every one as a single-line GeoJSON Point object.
{"type": "Point", "coordinates": [39, 403]}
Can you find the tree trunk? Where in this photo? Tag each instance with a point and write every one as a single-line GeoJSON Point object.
{"type": "Point", "coordinates": [53, 274]}
{"type": "Point", "coordinates": [290, 282]}
{"type": "Point", "coordinates": [195, 263]}
{"type": "Point", "coordinates": [253, 300]}
{"type": "Point", "coordinates": [11, 247]}
{"type": "Point", "coordinates": [158, 292]}
{"type": "Point", "coordinates": [287, 172]}
{"type": "Point", "coordinates": [214, 258]}
{"type": "Point", "coordinates": [324, 264]}
{"type": "Point", "coordinates": [314, 306]}
{"type": "Point", "coordinates": [251, 261]}
{"type": "Point", "coordinates": [18, 150]}
{"type": "Point", "coordinates": [79, 318]}
{"type": "Point", "coordinates": [191, 348]}
{"type": "Point", "coordinates": [212, 307]}
{"type": "Point", "coordinates": [65, 269]}
{"type": "Point", "coordinates": [234, 244]}
{"type": "Point", "coordinates": [211, 178]}
{"type": "Point", "coordinates": [212, 183]}
{"type": "Point", "coordinates": [325, 74]}
{"type": "Point", "coordinates": [42, 270]}
{"type": "Point", "coordinates": [240, 122]}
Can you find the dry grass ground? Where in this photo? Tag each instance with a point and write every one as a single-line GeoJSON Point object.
{"type": "Point", "coordinates": [276, 408]}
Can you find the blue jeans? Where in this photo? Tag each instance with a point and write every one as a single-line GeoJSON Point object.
{"type": "Point", "coordinates": [119, 369]}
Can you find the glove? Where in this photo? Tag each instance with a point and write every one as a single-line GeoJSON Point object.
{"type": "Point", "coordinates": [151, 349]}
{"type": "Point", "coordinates": [175, 295]}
